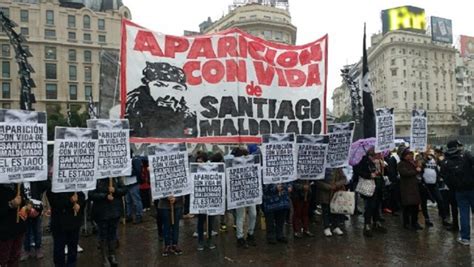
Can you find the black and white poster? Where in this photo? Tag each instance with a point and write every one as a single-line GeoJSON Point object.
{"type": "Point", "coordinates": [208, 195]}
{"type": "Point", "coordinates": [114, 147]}
{"type": "Point", "coordinates": [340, 140]}
{"type": "Point", "coordinates": [279, 158]}
{"type": "Point", "coordinates": [75, 159]}
{"type": "Point", "coordinates": [419, 130]}
{"type": "Point", "coordinates": [312, 151]}
{"type": "Point", "coordinates": [169, 170]}
{"type": "Point", "coordinates": [23, 146]}
{"type": "Point", "coordinates": [385, 129]}
{"type": "Point", "coordinates": [244, 182]}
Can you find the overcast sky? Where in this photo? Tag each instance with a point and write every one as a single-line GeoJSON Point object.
{"type": "Point", "coordinates": [343, 20]}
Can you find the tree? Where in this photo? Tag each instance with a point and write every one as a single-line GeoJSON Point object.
{"type": "Point", "coordinates": [343, 118]}
{"type": "Point", "coordinates": [468, 116]}
{"type": "Point", "coordinates": [57, 119]}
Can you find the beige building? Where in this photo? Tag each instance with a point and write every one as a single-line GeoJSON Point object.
{"type": "Point", "coordinates": [341, 99]}
{"type": "Point", "coordinates": [268, 22]}
{"type": "Point", "coordinates": [464, 82]}
{"type": "Point", "coordinates": [66, 39]}
{"type": "Point", "coordinates": [408, 71]}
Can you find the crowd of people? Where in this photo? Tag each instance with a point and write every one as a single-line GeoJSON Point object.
{"type": "Point", "coordinates": [404, 182]}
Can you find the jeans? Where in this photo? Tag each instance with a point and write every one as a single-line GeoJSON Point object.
{"type": "Point", "coordinates": [200, 227]}
{"type": "Point", "coordinates": [145, 195]}
{"type": "Point", "coordinates": [108, 229]}
{"type": "Point", "coordinates": [240, 218]}
{"type": "Point", "coordinates": [171, 232]}
{"type": "Point", "coordinates": [329, 219]}
{"type": "Point", "coordinates": [300, 215]}
{"type": "Point", "coordinates": [432, 190]}
{"type": "Point", "coordinates": [61, 240]}
{"type": "Point", "coordinates": [465, 203]}
{"type": "Point", "coordinates": [275, 221]}
{"type": "Point", "coordinates": [133, 200]}
{"type": "Point", "coordinates": [372, 206]}
{"type": "Point", "coordinates": [10, 251]}
{"type": "Point", "coordinates": [410, 215]}
{"type": "Point", "coordinates": [33, 233]}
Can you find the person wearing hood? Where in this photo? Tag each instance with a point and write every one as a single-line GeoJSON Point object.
{"type": "Point", "coordinates": [447, 194]}
{"type": "Point", "coordinates": [458, 171]}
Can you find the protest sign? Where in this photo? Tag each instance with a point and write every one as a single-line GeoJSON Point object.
{"type": "Point", "coordinates": [419, 130]}
{"type": "Point", "coordinates": [244, 182]}
{"type": "Point", "coordinates": [385, 130]}
{"type": "Point", "coordinates": [208, 195]}
{"type": "Point", "coordinates": [311, 162]}
{"type": "Point", "coordinates": [75, 159]}
{"type": "Point", "coordinates": [114, 147]}
{"type": "Point", "coordinates": [226, 87]}
{"type": "Point", "coordinates": [340, 139]}
{"type": "Point", "coordinates": [279, 158]}
{"type": "Point", "coordinates": [23, 146]}
{"type": "Point", "coordinates": [169, 170]}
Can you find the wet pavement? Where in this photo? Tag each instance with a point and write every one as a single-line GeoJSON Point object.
{"type": "Point", "coordinates": [139, 246]}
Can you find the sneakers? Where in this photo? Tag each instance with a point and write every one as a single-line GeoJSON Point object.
{"type": "Point", "coordinates": [223, 228]}
{"type": "Point", "coordinates": [176, 250]}
{"type": "Point", "coordinates": [298, 235]}
{"type": "Point", "coordinates": [464, 242]}
{"type": "Point", "coordinates": [327, 232]}
{"type": "Point", "coordinates": [25, 255]}
{"type": "Point", "coordinates": [79, 249]}
{"type": "Point", "coordinates": [214, 233]}
{"type": "Point", "coordinates": [195, 234]}
{"type": "Point", "coordinates": [338, 231]}
{"type": "Point", "coordinates": [39, 254]}
{"type": "Point", "coordinates": [211, 245]}
{"type": "Point", "coordinates": [308, 234]}
{"type": "Point", "coordinates": [241, 243]}
{"type": "Point", "coordinates": [200, 247]}
{"type": "Point", "coordinates": [166, 251]}
{"type": "Point", "coordinates": [251, 240]}
{"type": "Point", "coordinates": [367, 231]}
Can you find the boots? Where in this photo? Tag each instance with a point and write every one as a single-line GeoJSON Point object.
{"type": "Point", "coordinates": [112, 257]}
{"type": "Point", "coordinates": [104, 250]}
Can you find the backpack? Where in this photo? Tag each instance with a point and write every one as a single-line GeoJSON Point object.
{"type": "Point", "coordinates": [458, 172]}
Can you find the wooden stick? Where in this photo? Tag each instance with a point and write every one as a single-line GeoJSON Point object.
{"type": "Point", "coordinates": [124, 219]}
{"type": "Point", "coordinates": [172, 213]}
{"type": "Point", "coordinates": [75, 212]}
{"type": "Point", "coordinates": [18, 188]}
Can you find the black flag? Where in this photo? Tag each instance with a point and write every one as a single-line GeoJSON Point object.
{"type": "Point", "coordinates": [369, 113]}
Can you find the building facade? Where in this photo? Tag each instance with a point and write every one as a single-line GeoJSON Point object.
{"type": "Point", "coordinates": [268, 22]}
{"type": "Point", "coordinates": [341, 100]}
{"type": "Point", "coordinates": [66, 39]}
{"type": "Point", "coordinates": [409, 71]}
{"type": "Point", "coordinates": [464, 82]}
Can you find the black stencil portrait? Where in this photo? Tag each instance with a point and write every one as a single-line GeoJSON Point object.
{"type": "Point", "coordinates": [158, 108]}
{"type": "Point", "coordinates": [12, 115]}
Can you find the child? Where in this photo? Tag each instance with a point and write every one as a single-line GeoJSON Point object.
{"type": "Point", "coordinates": [276, 204]}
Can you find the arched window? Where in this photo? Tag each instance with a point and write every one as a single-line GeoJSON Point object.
{"type": "Point", "coordinates": [87, 22]}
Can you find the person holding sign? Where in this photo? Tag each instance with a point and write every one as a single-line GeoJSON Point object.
{"type": "Point", "coordinates": [300, 198]}
{"type": "Point", "coordinates": [67, 214]}
{"type": "Point", "coordinates": [13, 213]}
{"type": "Point", "coordinates": [276, 204]}
{"type": "Point", "coordinates": [171, 211]}
{"type": "Point", "coordinates": [106, 212]}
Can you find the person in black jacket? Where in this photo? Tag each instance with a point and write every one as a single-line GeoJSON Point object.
{"type": "Point", "coordinates": [11, 231]}
{"type": "Point", "coordinates": [106, 212]}
{"type": "Point", "coordinates": [458, 171]}
{"type": "Point", "coordinates": [67, 213]}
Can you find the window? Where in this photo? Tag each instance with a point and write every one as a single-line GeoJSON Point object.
{"type": "Point", "coordinates": [267, 17]}
{"type": "Point", "coordinates": [404, 73]}
{"type": "Point", "coordinates": [427, 96]}
{"type": "Point", "coordinates": [87, 37]}
{"type": "Point", "coordinates": [72, 55]}
{"type": "Point", "coordinates": [278, 35]}
{"type": "Point", "coordinates": [49, 17]}
{"type": "Point", "coordinates": [72, 72]}
{"type": "Point", "coordinates": [73, 92]}
{"type": "Point", "coordinates": [404, 62]}
{"type": "Point", "coordinates": [88, 74]}
{"type": "Point", "coordinates": [87, 22]}
{"type": "Point", "coordinates": [24, 16]}
{"type": "Point", "coordinates": [50, 52]}
{"type": "Point", "coordinates": [6, 90]}
{"type": "Point", "coordinates": [267, 34]}
{"type": "Point", "coordinates": [71, 21]}
{"type": "Point", "coordinates": [6, 105]}
{"type": "Point", "coordinates": [51, 71]}
{"type": "Point", "coordinates": [71, 36]}
{"type": "Point", "coordinates": [49, 34]}
{"type": "Point", "coordinates": [51, 91]}
{"type": "Point", "coordinates": [427, 106]}
{"type": "Point", "coordinates": [5, 50]}
{"type": "Point", "coordinates": [394, 72]}
{"type": "Point", "coordinates": [101, 24]}
{"type": "Point", "coordinates": [87, 56]}
{"type": "Point", "coordinates": [102, 39]}
{"type": "Point", "coordinates": [395, 94]}
{"type": "Point", "coordinates": [414, 96]}
{"type": "Point", "coordinates": [6, 69]}
{"type": "Point", "coordinates": [87, 91]}
{"type": "Point", "coordinates": [24, 31]}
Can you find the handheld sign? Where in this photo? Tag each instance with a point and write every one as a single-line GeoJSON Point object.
{"type": "Point", "coordinates": [23, 146]}
{"type": "Point", "coordinates": [75, 159]}
{"type": "Point", "coordinates": [385, 130]}
{"type": "Point", "coordinates": [279, 158]}
{"type": "Point", "coordinates": [340, 140]}
{"type": "Point", "coordinates": [312, 151]}
{"type": "Point", "coordinates": [114, 147]}
{"type": "Point", "coordinates": [244, 182]}
{"type": "Point", "coordinates": [419, 130]}
{"type": "Point", "coordinates": [169, 170]}
{"type": "Point", "coordinates": [208, 196]}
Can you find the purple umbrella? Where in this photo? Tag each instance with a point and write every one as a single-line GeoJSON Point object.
{"type": "Point", "coordinates": [359, 149]}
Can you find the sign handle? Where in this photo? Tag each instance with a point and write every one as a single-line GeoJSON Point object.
{"type": "Point", "coordinates": [18, 188]}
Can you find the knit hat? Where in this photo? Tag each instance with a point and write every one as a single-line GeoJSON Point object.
{"type": "Point", "coordinates": [454, 144]}
{"type": "Point", "coordinates": [405, 152]}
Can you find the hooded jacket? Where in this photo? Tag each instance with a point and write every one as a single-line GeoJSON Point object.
{"type": "Point", "coordinates": [457, 169]}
